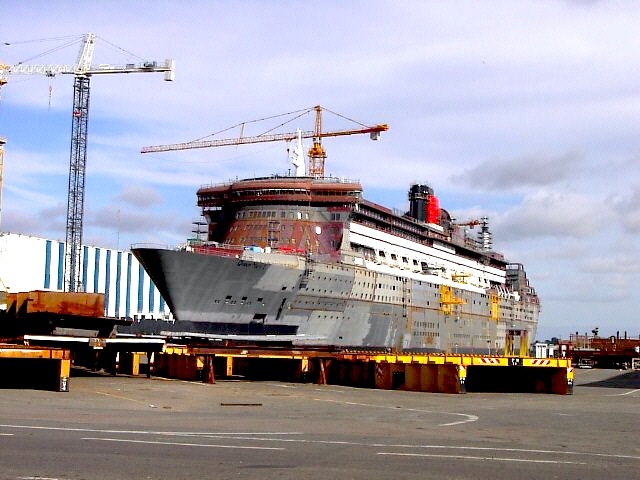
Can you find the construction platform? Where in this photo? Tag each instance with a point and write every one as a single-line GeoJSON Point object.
{"type": "Point", "coordinates": [602, 352]}
{"type": "Point", "coordinates": [42, 312]}
{"type": "Point", "coordinates": [48, 368]}
{"type": "Point", "coordinates": [50, 321]}
{"type": "Point", "coordinates": [438, 373]}
{"type": "Point", "coordinates": [119, 354]}
{"type": "Point", "coordinates": [36, 368]}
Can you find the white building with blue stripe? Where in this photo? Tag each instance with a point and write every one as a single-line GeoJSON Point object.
{"type": "Point", "coordinates": [33, 263]}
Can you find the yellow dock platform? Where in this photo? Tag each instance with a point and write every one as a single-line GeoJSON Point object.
{"type": "Point", "coordinates": [34, 367]}
{"type": "Point", "coordinates": [439, 373]}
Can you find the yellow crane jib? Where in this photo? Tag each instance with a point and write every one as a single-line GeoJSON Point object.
{"type": "Point", "coordinates": [316, 153]}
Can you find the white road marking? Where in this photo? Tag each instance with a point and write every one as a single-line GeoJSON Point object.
{"type": "Point", "coordinates": [142, 432]}
{"type": "Point", "coordinates": [465, 457]}
{"type": "Point", "coordinates": [273, 437]}
{"type": "Point", "coordinates": [621, 394]}
{"type": "Point", "coordinates": [181, 444]}
{"type": "Point", "coordinates": [467, 417]}
{"type": "Point", "coordinates": [36, 478]}
{"type": "Point", "coordinates": [6, 434]}
{"type": "Point", "coordinates": [435, 447]}
{"type": "Point", "coordinates": [520, 450]}
{"type": "Point", "coordinates": [303, 440]}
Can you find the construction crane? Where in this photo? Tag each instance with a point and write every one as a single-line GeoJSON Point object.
{"type": "Point", "coordinates": [82, 72]}
{"type": "Point", "coordinates": [317, 154]}
{"type": "Point", "coordinates": [3, 141]}
{"type": "Point", "coordinates": [3, 288]}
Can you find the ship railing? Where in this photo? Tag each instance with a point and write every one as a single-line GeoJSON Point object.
{"type": "Point", "coordinates": [315, 179]}
{"type": "Point", "coordinates": [232, 251]}
{"type": "Point", "coordinates": [236, 251]}
{"type": "Point", "coordinates": [335, 180]}
{"type": "Point", "coordinates": [157, 246]}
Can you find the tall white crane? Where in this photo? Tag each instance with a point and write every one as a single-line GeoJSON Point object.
{"type": "Point", "coordinates": [82, 72]}
{"type": "Point", "coordinates": [2, 144]}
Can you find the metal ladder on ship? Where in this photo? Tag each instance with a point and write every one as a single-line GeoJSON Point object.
{"type": "Point", "coordinates": [308, 271]}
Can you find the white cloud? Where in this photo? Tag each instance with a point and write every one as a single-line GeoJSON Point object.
{"type": "Point", "coordinates": [140, 196]}
{"type": "Point", "coordinates": [560, 214]}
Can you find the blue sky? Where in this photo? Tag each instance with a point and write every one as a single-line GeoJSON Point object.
{"type": "Point", "coordinates": [526, 112]}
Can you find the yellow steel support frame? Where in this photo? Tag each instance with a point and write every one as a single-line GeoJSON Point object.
{"type": "Point", "coordinates": [229, 365]}
{"type": "Point", "coordinates": [508, 345]}
{"type": "Point", "coordinates": [495, 306]}
{"type": "Point", "coordinates": [448, 300]}
{"type": "Point", "coordinates": [510, 339]}
{"type": "Point", "coordinates": [438, 373]}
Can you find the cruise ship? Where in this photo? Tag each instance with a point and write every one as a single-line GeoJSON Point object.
{"type": "Point", "coordinates": [304, 259]}
{"type": "Point", "coordinates": [309, 261]}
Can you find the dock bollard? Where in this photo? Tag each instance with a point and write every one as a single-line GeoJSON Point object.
{"type": "Point", "coordinates": [462, 376]}
{"type": "Point", "coordinates": [64, 372]}
{"type": "Point", "coordinates": [64, 384]}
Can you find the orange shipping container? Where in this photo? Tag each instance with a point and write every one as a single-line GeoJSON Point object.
{"type": "Point", "coordinates": [69, 303]}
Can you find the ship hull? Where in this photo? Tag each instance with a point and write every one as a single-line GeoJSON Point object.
{"type": "Point", "coordinates": [276, 297]}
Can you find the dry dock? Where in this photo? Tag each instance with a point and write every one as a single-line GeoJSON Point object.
{"type": "Point", "coordinates": [58, 328]}
{"type": "Point", "coordinates": [48, 368]}
{"type": "Point", "coordinates": [436, 373]}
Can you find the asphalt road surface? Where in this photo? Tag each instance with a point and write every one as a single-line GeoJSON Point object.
{"type": "Point", "coordinates": [139, 428]}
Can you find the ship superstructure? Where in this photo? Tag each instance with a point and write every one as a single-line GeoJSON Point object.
{"type": "Point", "coordinates": [310, 260]}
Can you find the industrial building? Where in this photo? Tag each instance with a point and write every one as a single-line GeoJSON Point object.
{"type": "Point", "coordinates": [30, 263]}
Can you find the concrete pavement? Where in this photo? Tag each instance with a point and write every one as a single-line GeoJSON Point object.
{"type": "Point", "coordinates": [125, 427]}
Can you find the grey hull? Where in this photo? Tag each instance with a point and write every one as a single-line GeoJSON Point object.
{"type": "Point", "coordinates": [315, 303]}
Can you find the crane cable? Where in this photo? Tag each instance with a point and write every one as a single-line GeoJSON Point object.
{"type": "Point", "coordinates": [242, 124]}
{"type": "Point", "coordinates": [298, 114]}
{"type": "Point", "coordinates": [75, 39]}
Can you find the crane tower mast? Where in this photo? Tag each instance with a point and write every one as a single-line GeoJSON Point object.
{"type": "Point", "coordinates": [82, 72]}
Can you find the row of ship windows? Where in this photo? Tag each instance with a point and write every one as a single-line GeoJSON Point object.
{"type": "Point", "coordinates": [275, 227]}
{"type": "Point", "coordinates": [461, 335]}
{"type": "Point", "coordinates": [393, 220]}
{"type": "Point", "coordinates": [427, 324]}
{"type": "Point", "coordinates": [272, 214]}
{"type": "Point", "coordinates": [333, 244]}
{"type": "Point", "coordinates": [362, 296]}
{"type": "Point", "coordinates": [380, 256]}
{"type": "Point", "coordinates": [244, 301]}
{"type": "Point", "coordinates": [399, 232]}
{"type": "Point", "coordinates": [455, 336]}
{"type": "Point", "coordinates": [384, 286]}
{"type": "Point", "coordinates": [259, 192]}
{"type": "Point", "coordinates": [425, 333]}
{"type": "Point", "coordinates": [381, 298]}
{"type": "Point", "coordinates": [281, 214]}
